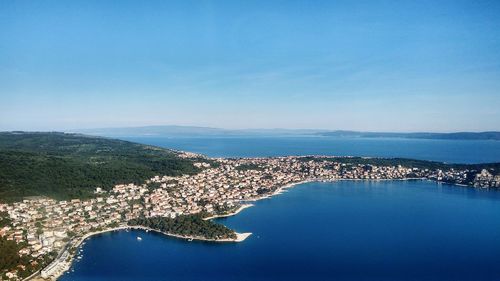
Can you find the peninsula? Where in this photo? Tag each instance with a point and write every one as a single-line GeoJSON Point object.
{"type": "Point", "coordinates": [80, 186]}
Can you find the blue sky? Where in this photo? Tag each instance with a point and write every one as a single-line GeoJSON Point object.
{"type": "Point", "coordinates": [359, 65]}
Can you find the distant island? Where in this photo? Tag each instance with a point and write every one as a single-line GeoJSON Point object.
{"type": "Point", "coordinates": [430, 136]}
{"type": "Point", "coordinates": [193, 131]}
{"type": "Point", "coordinates": [58, 189]}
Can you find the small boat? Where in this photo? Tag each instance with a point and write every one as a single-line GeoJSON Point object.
{"type": "Point", "coordinates": [190, 239]}
{"type": "Point", "coordinates": [139, 238]}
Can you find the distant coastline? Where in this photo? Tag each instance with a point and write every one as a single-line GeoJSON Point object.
{"type": "Point", "coordinates": [493, 135]}
{"type": "Point", "coordinates": [193, 131]}
{"type": "Point", "coordinates": [196, 186]}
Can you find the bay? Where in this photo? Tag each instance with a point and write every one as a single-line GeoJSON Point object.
{"type": "Point", "coordinates": [347, 230]}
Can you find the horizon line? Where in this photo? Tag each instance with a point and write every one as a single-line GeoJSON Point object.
{"type": "Point", "coordinates": [318, 130]}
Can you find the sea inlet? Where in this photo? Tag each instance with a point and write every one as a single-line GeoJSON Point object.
{"type": "Point", "coordinates": [345, 230]}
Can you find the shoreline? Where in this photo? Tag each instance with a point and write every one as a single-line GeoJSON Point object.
{"type": "Point", "coordinates": [240, 237]}
{"type": "Point", "coordinates": [279, 190]}
{"type": "Point", "coordinates": [235, 212]}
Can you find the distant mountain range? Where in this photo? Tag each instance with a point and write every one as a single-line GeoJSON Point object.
{"type": "Point", "coordinates": [190, 131]}
{"type": "Point", "coordinates": [193, 131]}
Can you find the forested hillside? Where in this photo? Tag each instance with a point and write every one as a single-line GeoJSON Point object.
{"type": "Point", "coordinates": [65, 166]}
{"type": "Point", "coordinates": [187, 226]}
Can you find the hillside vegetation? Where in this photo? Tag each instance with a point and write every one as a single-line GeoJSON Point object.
{"type": "Point", "coordinates": [64, 166]}
{"type": "Point", "coordinates": [187, 226]}
{"type": "Point", "coordinates": [493, 168]}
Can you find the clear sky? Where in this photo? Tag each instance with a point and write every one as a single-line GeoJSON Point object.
{"type": "Point", "coordinates": [359, 65]}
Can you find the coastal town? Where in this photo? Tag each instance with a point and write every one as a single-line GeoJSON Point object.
{"type": "Point", "coordinates": [51, 231]}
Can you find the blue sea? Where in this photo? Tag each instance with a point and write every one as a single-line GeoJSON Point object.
{"type": "Point", "coordinates": [346, 230]}
{"type": "Point", "coordinates": [451, 151]}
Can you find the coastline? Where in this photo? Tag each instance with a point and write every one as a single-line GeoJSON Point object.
{"type": "Point", "coordinates": [235, 212]}
{"type": "Point", "coordinates": [279, 190]}
{"type": "Point", "coordinates": [66, 265]}
{"type": "Point", "coordinates": [239, 236]}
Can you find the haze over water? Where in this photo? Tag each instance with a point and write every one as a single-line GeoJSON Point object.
{"type": "Point", "coordinates": [346, 230]}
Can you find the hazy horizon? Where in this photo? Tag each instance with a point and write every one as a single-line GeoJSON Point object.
{"type": "Point", "coordinates": [169, 126]}
{"type": "Point", "coordinates": [381, 66]}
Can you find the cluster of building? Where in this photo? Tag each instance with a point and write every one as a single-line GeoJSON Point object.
{"type": "Point", "coordinates": [46, 226]}
{"type": "Point", "coordinates": [486, 180]}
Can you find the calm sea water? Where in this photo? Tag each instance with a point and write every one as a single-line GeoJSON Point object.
{"type": "Point", "coordinates": [451, 151]}
{"type": "Point", "coordinates": [348, 230]}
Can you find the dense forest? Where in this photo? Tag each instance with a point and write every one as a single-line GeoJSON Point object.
{"type": "Point", "coordinates": [64, 166]}
{"type": "Point", "coordinates": [186, 225]}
